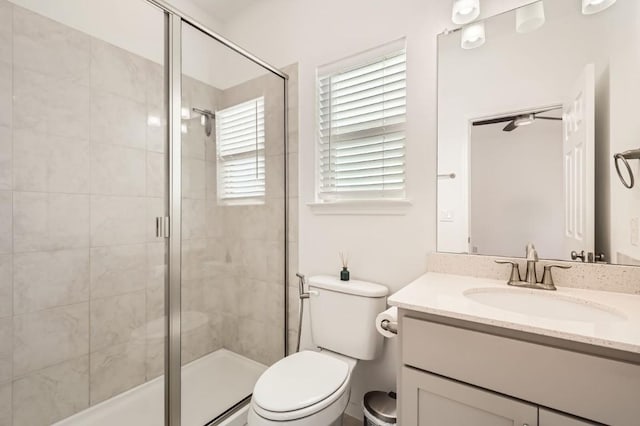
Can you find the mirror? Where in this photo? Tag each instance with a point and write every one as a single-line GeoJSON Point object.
{"type": "Point", "coordinates": [533, 104]}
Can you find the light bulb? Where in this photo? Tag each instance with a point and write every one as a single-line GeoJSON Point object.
{"type": "Point", "coordinates": [472, 36]}
{"type": "Point", "coordinates": [465, 11]}
{"type": "Point", "coordinates": [589, 7]}
{"type": "Point", "coordinates": [530, 17]}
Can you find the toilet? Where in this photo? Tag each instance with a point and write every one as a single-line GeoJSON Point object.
{"type": "Point", "coordinates": [312, 388]}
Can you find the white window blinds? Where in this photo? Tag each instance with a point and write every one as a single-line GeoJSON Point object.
{"type": "Point", "coordinates": [361, 124]}
{"type": "Point", "coordinates": [240, 140]}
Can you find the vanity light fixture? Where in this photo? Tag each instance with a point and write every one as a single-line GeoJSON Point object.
{"type": "Point", "coordinates": [589, 7]}
{"type": "Point", "coordinates": [530, 17]}
{"type": "Point", "coordinates": [465, 11]}
{"type": "Point", "coordinates": [473, 36]}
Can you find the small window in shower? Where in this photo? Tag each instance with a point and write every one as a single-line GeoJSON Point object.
{"type": "Point", "coordinates": [240, 140]}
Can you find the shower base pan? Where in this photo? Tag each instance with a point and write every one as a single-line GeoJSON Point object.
{"type": "Point", "coordinates": [210, 386]}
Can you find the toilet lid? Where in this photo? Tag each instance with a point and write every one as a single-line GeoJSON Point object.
{"type": "Point", "coordinates": [299, 381]}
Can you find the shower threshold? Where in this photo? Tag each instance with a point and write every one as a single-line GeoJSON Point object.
{"type": "Point", "coordinates": [210, 386]}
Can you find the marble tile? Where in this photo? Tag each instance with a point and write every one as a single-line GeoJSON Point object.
{"type": "Point", "coordinates": [50, 163]}
{"type": "Point", "coordinates": [156, 174]}
{"type": "Point", "coordinates": [49, 105]}
{"type": "Point", "coordinates": [41, 44]}
{"type": "Point", "coordinates": [6, 414]}
{"type": "Point", "coordinates": [6, 158]}
{"type": "Point", "coordinates": [43, 280]}
{"type": "Point", "coordinates": [117, 170]}
{"type": "Point", "coordinates": [156, 276]}
{"type": "Point", "coordinates": [6, 34]}
{"type": "Point", "coordinates": [113, 319]}
{"type": "Point", "coordinates": [118, 120]}
{"type": "Point", "coordinates": [155, 84]}
{"type": "Point", "coordinates": [274, 185]}
{"type": "Point", "coordinates": [156, 207]}
{"type": "Point", "coordinates": [193, 219]}
{"type": "Point", "coordinates": [193, 178]}
{"type": "Point", "coordinates": [6, 285]}
{"type": "Point", "coordinates": [215, 219]}
{"type": "Point", "coordinates": [51, 394]}
{"type": "Point", "coordinates": [200, 341]}
{"type": "Point", "coordinates": [6, 92]}
{"type": "Point", "coordinates": [118, 269]}
{"type": "Point", "coordinates": [116, 369]}
{"type": "Point", "coordinates": [154, 361]}
{"type": "Point", "coordinates": [195, 140]}
{"type": "Point", "coordinates": [50, 221]}
{"type": "Point", "coordinates": [6, 222]}
{"type": "Point", "coordinates": [6, 349]}
{"type": "Point", "coordinates": [46, 338]}
{"type": "Point", "coordinates": [118, 220]}
{"type": "Point", "coordinates": [211, 176]}
{"type": "Point", "coordinates": [117, 71]}
{"type": "Point", "coordinates": [156, 129]}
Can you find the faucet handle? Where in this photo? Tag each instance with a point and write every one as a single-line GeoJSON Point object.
{"type": "Point", "coordinates": [547, 278]}
{"type": "Point", "coordinates": [515, 270]}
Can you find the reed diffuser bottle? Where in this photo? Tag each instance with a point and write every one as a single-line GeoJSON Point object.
{"type": "Point", "coordinates": [344, 274]}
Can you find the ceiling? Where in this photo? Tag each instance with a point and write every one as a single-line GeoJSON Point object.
{"type": "Point", "coordinates": [225, 10]}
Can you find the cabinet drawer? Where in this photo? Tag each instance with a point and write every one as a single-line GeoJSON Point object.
{"type": "Point", "coordinates": [586, 386]}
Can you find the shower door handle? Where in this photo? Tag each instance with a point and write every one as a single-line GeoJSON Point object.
{"type": "Point", "coordinates": [162, 227]}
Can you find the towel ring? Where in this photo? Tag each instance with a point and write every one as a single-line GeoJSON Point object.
{"type": "Point", "coordinates": [633, 154]}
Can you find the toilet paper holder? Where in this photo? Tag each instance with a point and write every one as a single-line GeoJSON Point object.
{"type": "Point", "coordinates": [390, 326]}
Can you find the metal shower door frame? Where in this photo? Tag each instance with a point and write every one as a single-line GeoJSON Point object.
{"type": "Point", "coordinates": [174, 20]}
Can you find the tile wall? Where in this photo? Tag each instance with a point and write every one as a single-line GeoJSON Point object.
{"type": "Point", "coordinates": [82, 177]}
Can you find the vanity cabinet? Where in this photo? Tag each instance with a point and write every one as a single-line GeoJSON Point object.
{"type": "Point", "coordinates": [430, 400]}
{"type": "Point", "coordinates": [453, 375]}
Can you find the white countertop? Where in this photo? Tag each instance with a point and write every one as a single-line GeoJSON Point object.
{"type": "Point", "coordinates": [444, 295]}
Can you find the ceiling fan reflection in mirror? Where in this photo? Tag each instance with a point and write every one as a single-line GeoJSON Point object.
{"type": "Point", "coordinates": [519, 120]}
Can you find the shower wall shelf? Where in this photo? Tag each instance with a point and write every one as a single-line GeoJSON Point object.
{"type": "Point", "coordinates": [633, 154]}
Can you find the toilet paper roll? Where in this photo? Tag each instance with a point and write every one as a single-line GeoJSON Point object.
{"type": "Point", "coordinates": [390, 315]}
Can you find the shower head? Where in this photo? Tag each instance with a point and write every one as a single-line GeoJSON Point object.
{"type": "Point", "coordinates": [206, 118]}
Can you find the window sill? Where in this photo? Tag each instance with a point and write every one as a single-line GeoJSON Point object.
{"type": "Point", "coordinates": [361, 207]}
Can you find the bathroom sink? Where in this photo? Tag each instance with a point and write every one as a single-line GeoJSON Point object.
{"type": "Point", "coordinates": [545, 304]}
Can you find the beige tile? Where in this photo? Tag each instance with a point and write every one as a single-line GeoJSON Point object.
{"type": "Point", "coordinates": [6, 92]}
{"type": "Point", "coordinates": [46, 338]}
{"type": "Point", "coordinates": [6, 414]}
{"type": "Point", "coordinates": [6, 222]}
{"type": "Point", "coordinates": [275, 176]}
{"type": "Point", "coordinates": [156, 207]}
{"type": "Point", "coordinates": [200, 340]}
{"type": "Point", "coordinates": [49, 105]}
{"type": "Point", "coordinates": [113, 319]}
{"type": "Point", "coordinates": [156, 174]}
{"type": "Point", "coordinates": [6, 158]}
{"type": "Point", "coordinates": [49, 395]}
{"type": "Point", "coordinates": [211, 185]}
{"type": "Point", "coordinates": [6, 285]}
{"type": "Point", "coordinates": [215, 219]}
{"type": "Point", "coordinates": [118, 120]}
{"type": "Point", "coordinates": [194, 141]}
{"type": "Point", "coordinates": [117, 71]}
{"type": "Point", "coordinates": [6, 34]}
{"type": "Point", "coordinates": [193, 219]}
{"type": "Point", "coordinates": [155, 84]}
{"type": "Point", "coordinates": [156, 275]}
{"type": "Point", "coordinates": [117, 170]}
{"type": "Point", "coordinates": [50, 163]}
{"type": "Point", "coordinates": [193, 178]}
{"type": "Point", "coordinates": [116, 369]}
{"type": "Point", "coordinates": [50, 221]}
{"type": "Point", "coordinates": [154, 364]}
{"type": "Point", "coordinates": [350, 421]}
{"type": "Point", "coordinates": [156, 129]}
{"type": "Point", "coordinates": [41, 44]}
{"type": "Point", "coordinates": [43, 280]}
{"type": "Point", "coordinates": [6, 349]}
{"type": "Point", "coordinates": [118, 220]}
{"type": "Point", "coordinates": [118, 269]}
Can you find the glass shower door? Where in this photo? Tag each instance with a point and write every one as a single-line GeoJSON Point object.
{"type": "Point", "coordinates": [83, 158]}
{"type": "Point", "coordinates": [233, 225]}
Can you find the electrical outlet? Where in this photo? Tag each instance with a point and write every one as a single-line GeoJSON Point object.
{"type": "Point", "coordinates": [635, 231]}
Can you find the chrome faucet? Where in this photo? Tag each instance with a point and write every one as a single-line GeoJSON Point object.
{"type": "Point", "coordinates": [530, 279]}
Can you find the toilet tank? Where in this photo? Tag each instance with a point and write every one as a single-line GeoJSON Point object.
{"type": "Point", "coordinates": [343, 314]}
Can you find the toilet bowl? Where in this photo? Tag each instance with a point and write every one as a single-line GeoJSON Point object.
{"type": "Point", "coordinates": [304, 389]}
{"type": "Point", "coordinates": [312, 388]}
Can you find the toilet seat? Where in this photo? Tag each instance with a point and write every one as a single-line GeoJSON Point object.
{"type": "Point", "coordinates": [301, 385]}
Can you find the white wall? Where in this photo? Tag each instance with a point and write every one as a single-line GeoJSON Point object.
{"type": "Point", "coordinates": [387, 249]}
{"type": "Point", "coordinates": [515, 196]}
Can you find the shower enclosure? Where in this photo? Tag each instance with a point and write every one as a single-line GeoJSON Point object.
{"type": "Point", "coordinates": [143, 217]}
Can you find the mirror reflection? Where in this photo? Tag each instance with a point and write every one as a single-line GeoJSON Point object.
{"type": "Point", "coordinates": [527, 146]}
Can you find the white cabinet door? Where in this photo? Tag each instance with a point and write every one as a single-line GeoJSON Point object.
{"type": "Point", "coordinates": [553, 418]}
{"type": "Point", "coordinates": [430, 400]}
